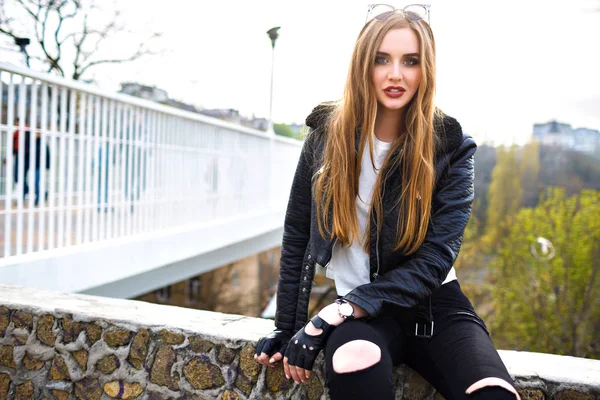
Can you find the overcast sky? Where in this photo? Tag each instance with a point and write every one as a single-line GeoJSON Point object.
{"type": "Point", "coordinates": [502, 66]}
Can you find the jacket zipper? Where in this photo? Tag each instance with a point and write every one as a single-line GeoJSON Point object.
{"type": "Point", "coordinates": [376, 274]}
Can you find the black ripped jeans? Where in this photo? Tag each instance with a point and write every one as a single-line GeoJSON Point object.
{"type": "Point", "coordinates": [459, 353]}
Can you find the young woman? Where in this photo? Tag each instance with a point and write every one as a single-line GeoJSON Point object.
{"type": "Point", "coordinates": [381, 197]}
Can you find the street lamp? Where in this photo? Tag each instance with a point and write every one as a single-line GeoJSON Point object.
{"type": "Point", "coordinates": [23, 43]}
{"type": "Point", "coordinates": [273, 35]}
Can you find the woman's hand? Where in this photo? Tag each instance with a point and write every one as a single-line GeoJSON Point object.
{"type": "Point", "coordinates": [298, 363]}
{"type": "Point", "coordinates": [271, 348]}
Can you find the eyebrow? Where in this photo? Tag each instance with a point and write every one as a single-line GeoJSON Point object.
{"type": "Point", "coordinates": [381, 53]}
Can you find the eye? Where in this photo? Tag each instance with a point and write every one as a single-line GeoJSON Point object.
{"type": "Point", "coordinates": [380, 60]}
{"type": "Point", "coordinates": [411, 62]}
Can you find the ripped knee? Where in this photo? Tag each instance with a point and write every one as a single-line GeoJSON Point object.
{"type": "Point", "coordinates": [491, 381]}
{"type": "Point", "coordinates": [356, 355]}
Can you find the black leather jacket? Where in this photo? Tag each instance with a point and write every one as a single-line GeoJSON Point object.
{"type": "Point", "coordinates": [396, 279]}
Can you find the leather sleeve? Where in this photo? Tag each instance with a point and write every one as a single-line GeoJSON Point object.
{"type": "Point", "coordinates": [296, 233]}
{"type": "Point", "coordinates": [417, 278]}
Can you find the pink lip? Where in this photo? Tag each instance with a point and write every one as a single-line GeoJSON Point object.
{"type": "Point", "coordinates": [394, 95]}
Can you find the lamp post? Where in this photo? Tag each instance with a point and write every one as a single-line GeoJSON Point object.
{"type": "Point", "coordinates": [23, 43]}
{"type": "Point", "coordinates": [273, 35]}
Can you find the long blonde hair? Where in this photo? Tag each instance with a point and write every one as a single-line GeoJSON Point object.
{"type": "Point", "coordinates": [336, 187]}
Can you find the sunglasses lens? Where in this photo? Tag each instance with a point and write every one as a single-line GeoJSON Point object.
{"type": "Point", "coordinates": [415, 12]}
{"type": "Point", "coordinates": [381, 12]}
{"type": "Point", "coordinates": [383, 16]}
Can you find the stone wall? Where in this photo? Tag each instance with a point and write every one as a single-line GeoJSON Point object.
{"type": "Point", "coordinates": [63, 346]}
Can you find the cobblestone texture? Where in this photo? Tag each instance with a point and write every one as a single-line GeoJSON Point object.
{"type": "Point", "coordinates": [96, 359]}
{"type": "Point", "coordinates": [139, 348]}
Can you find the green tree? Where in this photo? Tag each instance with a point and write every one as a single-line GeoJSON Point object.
{"type": "Point", "coordinates": [504, 195]}
{"type": "Point", "coordinates": [550, 304]}
{"type": "Point", "coordinates": [570, 169]}
{"type": "Point", "coordinates": [539, 167]}
{"type": "Point", "coordinates": [485, 160]}
{"type": "Point", "coordinates": [284, 130]}
{"type": "Point", "coordinates": [471, 265]}
{"type": "Point", "coordinates": [529, 169]}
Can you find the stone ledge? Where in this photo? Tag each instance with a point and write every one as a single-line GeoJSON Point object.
{"type": "Point", "coordinates": [68, 346]}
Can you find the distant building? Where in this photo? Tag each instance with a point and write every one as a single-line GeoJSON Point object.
{"type": "Point", "coordinates": [151, 93]}
{"type": "Point", "coordinates": [262, 124]}
{"type": "Point", "coordinates": [225, 114]}
{"type": "Point", "coordinates": [232, 115]}
{"type": "Point", "coordinates": [587, 140]}
{"type": "Point", "coordinates": [155, 94]}
{"type": "Point", "coordinates": [555, 133]}
{"type": "Point", "coordinates": [181, 105]}
{"type": "Point", "coordinates": [158, 95]}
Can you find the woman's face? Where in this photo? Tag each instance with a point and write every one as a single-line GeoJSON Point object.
{"type": "Point", "coordinates": [397, 73]}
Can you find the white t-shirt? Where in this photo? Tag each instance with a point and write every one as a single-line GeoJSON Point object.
{"type": "Point", "coordinates": [349, 267]}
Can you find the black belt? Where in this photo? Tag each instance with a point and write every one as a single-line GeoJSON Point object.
{"type": "Point", "coordinates": [424, 321]}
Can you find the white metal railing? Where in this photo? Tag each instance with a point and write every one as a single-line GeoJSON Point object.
{"type": "Point", "coordinates": [110, 166]}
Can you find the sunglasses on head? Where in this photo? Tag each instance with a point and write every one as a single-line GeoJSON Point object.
{"type": "Point", "coordinates": [412, 12]}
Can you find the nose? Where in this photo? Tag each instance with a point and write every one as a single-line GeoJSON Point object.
{"type": "Point", "coordinates": [395, 73]}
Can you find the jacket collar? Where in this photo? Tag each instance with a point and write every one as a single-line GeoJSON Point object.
{"type": "Point", "coordinates": [447, 129]}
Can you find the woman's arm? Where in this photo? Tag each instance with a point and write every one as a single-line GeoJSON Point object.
{"type": "Point", "coordinates": [417, 278]}
{"type": "Point", "coordinates": [296, 233]}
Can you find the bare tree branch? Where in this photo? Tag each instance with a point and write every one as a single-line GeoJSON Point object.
{"type": "Point", "coordinates": [58, 42]}
{"type": "Point", "coordinates": [7, 33]}
{"type": "Point", "coordinates": [42, 41]}
{"type": "Point", "coordinates": [26, 8]}
{"type": "Point", "coordinates": [79, 43]}
{"type": "Point", "coordinates": [102, 34]}
{"type": "Point", "coordinates": [44, 25]}
{"type": "Point", "coordinates": [47, 21]}
{"type": "Point", "coordinates": [142, 51]}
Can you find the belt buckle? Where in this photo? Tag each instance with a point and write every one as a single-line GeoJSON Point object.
{"type": "Point", "coordinates": [426, 332]}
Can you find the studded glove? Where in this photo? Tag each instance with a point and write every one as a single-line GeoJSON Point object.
{"type": "Point", "coordinates": [275, 342]}
{"type": "Point", "coordinates": [304, 348]}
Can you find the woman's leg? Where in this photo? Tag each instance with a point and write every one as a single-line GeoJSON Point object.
{"type": "Point", "coordinates": [491, 393]}
{"type": "Point", "coordinates": [460, 360]}
{"type": "Point", "coordinates": [358, 363]}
